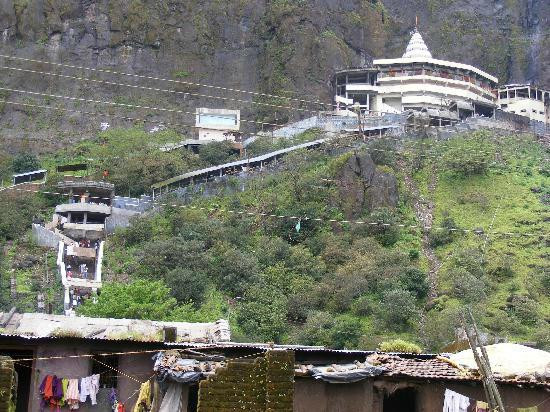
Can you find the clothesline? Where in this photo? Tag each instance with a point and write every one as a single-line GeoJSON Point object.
{"type": "Point", "coordinates": [456, 402]}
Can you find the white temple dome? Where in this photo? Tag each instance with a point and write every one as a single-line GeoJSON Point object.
{"type": "Point", "coordinates": [416, 48]}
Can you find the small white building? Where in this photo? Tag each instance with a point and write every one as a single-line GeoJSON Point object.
{"type": "Point", "coordinates": [525, 100]}
{"type": "Point", "coordinates": [217, 124]}
{"type": "Point", "coordinates": [447, 90]}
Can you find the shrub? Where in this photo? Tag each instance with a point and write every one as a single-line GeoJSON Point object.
{"type": "Point", "coordinates": [399, 345]}
{"type": "Point", "coordinates": [25, 162]}
{"type": "Point", "coordinates": [187, 286]}
{"type": "Point", "coordinates": [466, 286]}
{"type": "Point", "coordinates": [523, 308]}
{"type": "Point", "coordinates": [415, 281]}
{"type": "Point", "coordinates": [216, 153]}
{"type": "Point", "coordinates": [469, 156]}
{"type": "Point", "coordinates": [397, 309]}
{"type": "Point", "coordinates": [446, 233]}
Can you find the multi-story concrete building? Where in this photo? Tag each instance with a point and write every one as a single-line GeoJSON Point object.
{"type": "Point", "coordinates": [448, 91]}
{"type": "Point", "coordinates": [525, 100]}
{"type": "Point", "coordinates": [217, 124]}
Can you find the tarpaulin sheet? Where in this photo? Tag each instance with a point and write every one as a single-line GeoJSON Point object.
{"type": "Point", "coordinates": [182, 370]}
{"type": "Point", "coordinates": [346, 373]}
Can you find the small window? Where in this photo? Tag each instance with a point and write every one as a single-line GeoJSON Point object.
{"type": "Point", "coordinates": [534, 111]}
{"type": "Point", "coordinates": [504, 106]}
{"type": "Point", "coordinates": [106, 366]}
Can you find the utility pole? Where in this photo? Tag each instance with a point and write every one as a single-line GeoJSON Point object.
{"type": "Point", "coordinates": [357, 110]}
{"type": "Point", "coordinates": [490, 388]}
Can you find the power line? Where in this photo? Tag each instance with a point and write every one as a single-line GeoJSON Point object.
{"type": "Point", "coordinates": [188, 83]}
{"type": "Point", "coordinates": [429, 154]}
{"type": "Point", "coordinates": [135, 106]}
{"type": "Point", "coordinates": [307, 218]}
{"type": "Point", "coordinates": [85, 79]}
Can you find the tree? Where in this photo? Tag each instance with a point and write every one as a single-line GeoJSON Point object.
{"type": "Point", "coordinates": [25, 162]}
{"type": "Point", "coordinates": [160, 256]}
{"type": "Point", "coordinates": [232, 269]}
{"type": "Point", "coordinates": [186, 285]}
{"type": "Point", "coordinates": [262, 313]}
{"type": "Point", "coordinates": [216, 153]}
{"type": "Point", "coordinates": [141, 299]}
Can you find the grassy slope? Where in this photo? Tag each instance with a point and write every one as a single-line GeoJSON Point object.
{"type": "Point", "coordinates": [500, 201]}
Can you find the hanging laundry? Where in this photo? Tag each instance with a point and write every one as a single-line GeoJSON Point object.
{"type": "Point", "coordinates": [482, 406]}
{"type": "Point", "coordinates": [89, 386]}
{"type": "Point", "coordinates": [51, 390]}
{"type": "Point", "coordinates": [455, 402]}
{"type": "Point", "coordinates": [72, 396]}
{"type": "Point", "coordinates": [65, 386]}
{"type": "Point", "coordinates": [121, 408]}
{"type": "Point", "coordinates": [143, 403]}
{"type": "Point", "coordinates": [172, 399]}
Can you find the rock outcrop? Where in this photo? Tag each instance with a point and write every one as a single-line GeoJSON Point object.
{"type": "Point", "coordinates": [363, 188]}
{"type": "Point", "coordinates": [271, 46]}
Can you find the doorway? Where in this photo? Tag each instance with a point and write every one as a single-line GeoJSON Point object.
{"type": "Point", "coordinates": [402, 400]}
{"type": "Point", "coordinates": [24, 376]}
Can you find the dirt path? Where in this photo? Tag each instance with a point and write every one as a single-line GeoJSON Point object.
{"type": "Point", "coordinates": [424, 209]}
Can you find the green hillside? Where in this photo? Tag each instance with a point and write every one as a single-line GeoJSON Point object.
{"type": "Point", "coordinates": [328, 248]}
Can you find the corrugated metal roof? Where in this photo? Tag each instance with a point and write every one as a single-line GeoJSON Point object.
{"type": "Point", "coordinates": [237, 163]}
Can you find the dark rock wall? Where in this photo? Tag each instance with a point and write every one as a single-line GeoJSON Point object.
{"type": "Point", "coordinates": [273, 46]}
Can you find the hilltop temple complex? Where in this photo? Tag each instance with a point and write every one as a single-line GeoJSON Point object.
{"type": "Point", "coordinates": [447, 91]}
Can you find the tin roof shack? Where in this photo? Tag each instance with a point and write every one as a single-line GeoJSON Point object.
{"type": "Point", "coordinates": [338, 380]}
{"type": "Point", "coordinates": [201, 356]}
{"type": "Point", "coordinates": [75, 347]}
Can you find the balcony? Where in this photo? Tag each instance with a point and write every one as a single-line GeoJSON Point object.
{"type": "Point", "coordinates": [79, 207]}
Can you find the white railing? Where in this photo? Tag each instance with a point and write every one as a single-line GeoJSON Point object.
{"type": "Point", "coordinates": [99, 262]}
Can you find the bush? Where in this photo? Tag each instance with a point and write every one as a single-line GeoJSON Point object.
{"type": "Point", "coordinates": [141, 299]}
{"type": "Point", "coordinates": [469, 156]}
{"type": "Point", "coordinates": [445, 234]}
{"type": "Point", "coordinates": [399, 345]}
{"type": "Point", "coordinates": [397, 309]}
{"type": "Point", "coordinates": [25, 162]}
{"type": "Point", "coordinates": [322, 328]}
{"type": "Point", "coordinates": [382, 152]}
{"type": "Point", "coordinates": [216, 153]}
{"type": "Point", "coordinates": [415, 281]}
{"type": "Point", "coordinates": [466, 286]}
{"type": "Point", "coordinates": [523, 308]}
{"type": "Point", "coordinates": [187, 286]}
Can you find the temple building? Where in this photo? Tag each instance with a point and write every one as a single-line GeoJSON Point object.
{"type": "Point", "coordinates": [447, 91]}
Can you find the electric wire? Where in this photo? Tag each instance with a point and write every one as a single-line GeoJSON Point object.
{"type": "Point", "coordinates": [85, 79]}
{"type": "Point", "coordinates": [367, 141]}
{"type": "Point", "coordinates": [263, 215]}
{"type": "Point", "coordinates": [188, 83]}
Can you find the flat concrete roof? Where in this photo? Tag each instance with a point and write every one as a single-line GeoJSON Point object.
{"type": "Point", "coordinates": [436, 62]}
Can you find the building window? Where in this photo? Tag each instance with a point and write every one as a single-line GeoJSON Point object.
{"type": "Point", "coordinates": [106, 367]}
{"type": "Point", "coordinates": [504, 106]}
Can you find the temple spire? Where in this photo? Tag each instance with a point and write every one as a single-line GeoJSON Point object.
{"type": "Point", "coordinates": [416, 48]}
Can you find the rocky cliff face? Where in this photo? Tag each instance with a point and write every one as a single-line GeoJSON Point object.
{"type": "Point", "coordinates": [273, 46]}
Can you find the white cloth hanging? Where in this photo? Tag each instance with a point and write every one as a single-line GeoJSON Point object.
{"type": "Point", "coordinates": [172, 400]}
{"type": "Point", "coordinates": [455, 402]}
{"type": "Point", "coordinates": [89, 386]}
